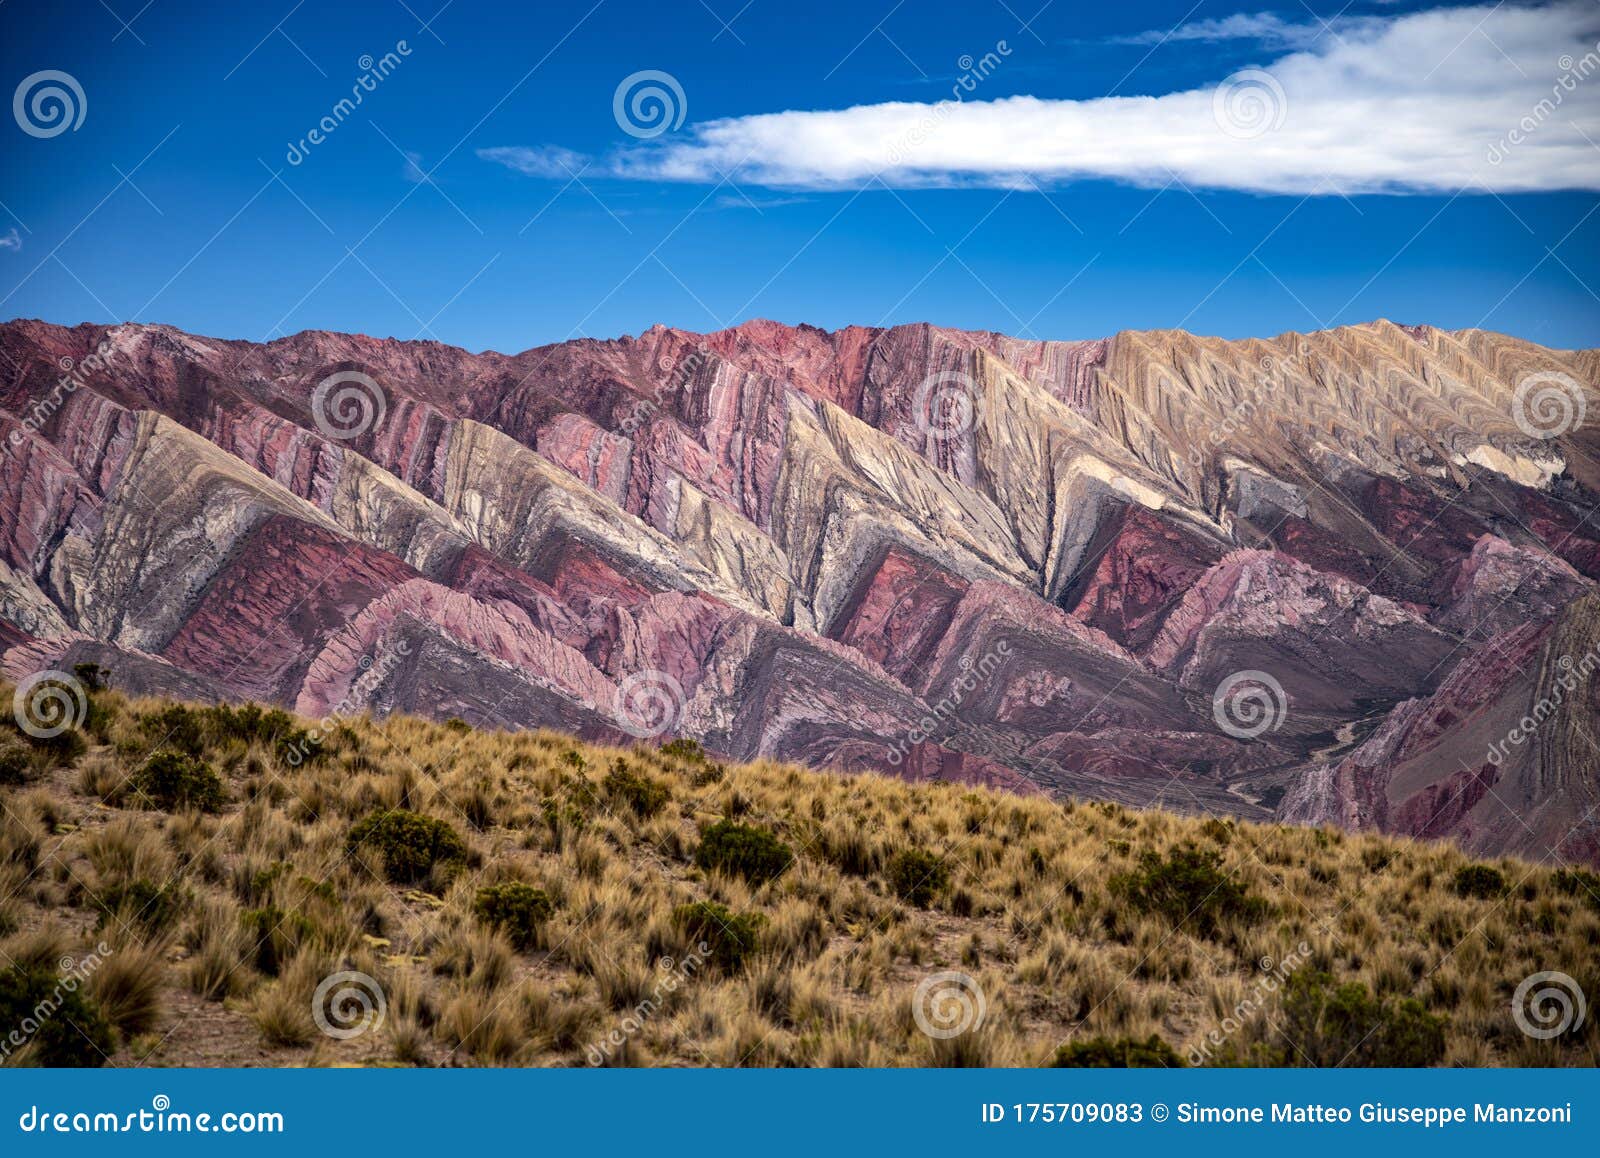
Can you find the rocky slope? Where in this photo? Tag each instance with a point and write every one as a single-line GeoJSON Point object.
{"type": "Point", "coordinates": [1346, 577]}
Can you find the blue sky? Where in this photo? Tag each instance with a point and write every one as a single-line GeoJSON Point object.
{"type": "Point", "coordinates": [1365, 193]}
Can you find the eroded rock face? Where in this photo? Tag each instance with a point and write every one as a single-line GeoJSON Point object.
{"type": "Point", "coordinates": [1336, 577]}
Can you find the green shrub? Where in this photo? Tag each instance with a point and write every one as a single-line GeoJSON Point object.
{"type": "Point", "coordinates": [1480, 881]}
{"type": "Point", "coordinates": [457, 725]}
{"type": "Point", "coordinates": [625, 788]}
{"type": "Point", "coordinates": [277, 936]}
{"type": "Point", "coordinates": [175, 727]}
{"type": "Point", "coordinates": [410, 845]}
{"type": "Point", "coordinates": [745, 850]}
{"type": "Point", "coordinates": [916, 876]}
{"type": "Point", "coordinates": [729, 937]}
{"type": "Point", "coordinates": [16, 760]}
{"type": "Point", "coordinates": [139, 902]}
{"type": "Point", "coordinates": [173, 780]}
{"type": "Point", "coordinates": [1324, 1025]}
{"type": "Point", "coordinates": [1578, 883]}
{"type": "Point", "coordinates": [1120, 1053]}
{"type": "Point", "coordinates": [272, 728]}
{"type": "Point", "coordinates": [684, 749]}
{"type": "Point", "coordinates": [518, 909]}
{"type": "Point", "coordinates": [63, 1027]}
{"type": "Point", "coordinates": [1189, 889]}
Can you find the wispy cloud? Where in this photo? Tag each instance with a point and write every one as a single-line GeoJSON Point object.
{"type": "Point", "coordinates": [1267, 29]}
{"type": "Point", "coordinates": [741, 201]}
{"type": "Point", "coordinates": [548, 161]}
{"type": "Point", "coordinates": [413, 170]}
{"type": "Point", "coordinates": [11, 240]}
{"type": "Point", "coordinates": [1419, 102]}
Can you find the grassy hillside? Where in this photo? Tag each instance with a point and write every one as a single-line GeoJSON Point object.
{"type": "Point", "coordinates": [527, 899]}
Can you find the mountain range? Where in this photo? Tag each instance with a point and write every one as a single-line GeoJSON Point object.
{"type": "Point", "coordinates": [1348, 577]}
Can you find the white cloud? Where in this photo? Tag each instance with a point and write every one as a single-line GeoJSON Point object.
{"type": "Point", "coordinates": [11, 240]}
{"type": "Point", "coordinates": [545, 161]}
{"type": "Point", "coordinates": [412, 170]}
{"type": "Point", "coordinates": [1420, 102]}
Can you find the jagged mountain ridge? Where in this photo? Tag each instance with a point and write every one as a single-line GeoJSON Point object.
{"type": "Point", "coordinates": [942, 553]}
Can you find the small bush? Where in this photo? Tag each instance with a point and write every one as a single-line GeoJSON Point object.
{"type": "Point", "coordinates": [276, 936]}
{"type": "Point", "coordinates": [174, 780]}
{"type": "Point", "coordinates": [139, 902]}
{"type": "Point", "coordinates": [729, 937]}
{"type": "Point", "coordinates": [519, 910]}
{"type": "Point", "coordinates": [16, 761]}
{"type": "Point", "coordinates": [1578, 883]}
{"type": "Point", "coordinates": [177, 728]}
{"type": "Point", "coordinates": [71, 1030]}
{"type": "Point", "coordinates": [92, 676]}
{"type": "Point", "coordinates": [272, 728]}
{"type": "Point", "coordinates": [916, 876]}
{"type": "Point", "coordinates": [1480, 881]}
{"type": "Point", "coordinates": [1346, 1026]}
{"type": "Point", "coordinates": [457, 725]}
{"type": "Point", "coordinates": [627, 789]}
{"type": "Point", "coordinates": [1189, 889]}
{"type": "Point", "coordinates": [1120, 1053]}
{"type": "Point", "coordinates": [684, 749]}
{"type": "Point", "coordinates": [745, 850]}
{"type": "Point", "coordinates": [410, 844]}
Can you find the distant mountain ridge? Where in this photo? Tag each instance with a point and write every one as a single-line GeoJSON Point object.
{"type": "Point", "coordinates": [1328, 577]}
